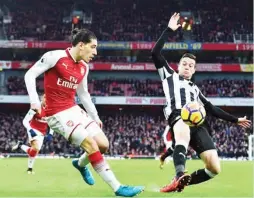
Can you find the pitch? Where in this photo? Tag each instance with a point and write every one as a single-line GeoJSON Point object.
{"type": "Point", "coordinates": [57, 178]}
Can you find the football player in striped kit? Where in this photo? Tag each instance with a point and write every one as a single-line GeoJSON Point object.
{"type": "Point", "coordinates": [180, 90]}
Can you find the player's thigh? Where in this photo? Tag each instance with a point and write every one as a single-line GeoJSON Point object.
{"type": "Point", "coordinates": [98, 135]}
{"type": "Point", "coordinates": [91, 126]}
{"type": "Point", "coordinates": [71, 124]}
{"type": "Point", "coordinates": [181, 131]}
{"type": "Point", "coordinates": [37, 142]}
{"type": "Point", "coordinates": [211, 160]}
{"type": "Point", "coordinates": [30, 138]}
{"type": "Point", "coordinates": [201, 140]}
{"type": "Point", "coordinates": [206, 149]}
{"type": "Point", "coordinates": [95, 131]}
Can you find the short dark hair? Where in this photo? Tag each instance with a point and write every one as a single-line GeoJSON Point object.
{"type": "Point", "coordinates": [81, 35]}
{"type": "Point", "coordinates": [189, 55]}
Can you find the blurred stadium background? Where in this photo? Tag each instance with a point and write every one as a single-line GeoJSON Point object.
{"type": "Point", "coordinates": [123, 82]}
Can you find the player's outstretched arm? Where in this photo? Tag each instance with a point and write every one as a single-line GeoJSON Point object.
{"type": "Point", "coordinates": [47, 61]}
{"type": "Point", "coordinates": [219, 113]}
{"type": "Point", "coordinates": [160, 63]}
{"type": "Point", "coordinates": [85, 98]}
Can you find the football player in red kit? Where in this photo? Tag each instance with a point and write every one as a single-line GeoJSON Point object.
{"type": "Point", "coordinates": [37, 129]}
{"type": "Point", "coordinates": [65, 74]}
{"type": "Point", "coordinates": [168, 143]}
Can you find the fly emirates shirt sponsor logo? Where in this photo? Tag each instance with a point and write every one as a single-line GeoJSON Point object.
{"type": "Point", "coordinates": [72, 83]}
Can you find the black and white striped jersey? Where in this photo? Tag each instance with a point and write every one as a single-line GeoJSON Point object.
{"type": "Point", "coordinates": [179, 91]}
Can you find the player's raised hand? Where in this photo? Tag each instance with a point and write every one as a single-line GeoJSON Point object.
{"type": "Point", "coordinates": [36, 108]}
{"type": "Point", "coordinates": [173, 22]}
{"type": "Point", "coordinates": [244, 122]}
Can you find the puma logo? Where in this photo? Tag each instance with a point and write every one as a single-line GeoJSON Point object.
{"type": "Point", "coordinates": [181, 154]}
{"type": "Point", "coordinates": [66, 66]}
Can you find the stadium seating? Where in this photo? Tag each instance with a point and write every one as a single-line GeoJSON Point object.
{"type": "Point", "coordinates": [129, 134]}
{"type": "Point", "coordinates": [115, 20]}
{"type": "Point", "coordinates": [134, 87]}
{"type": "Point", "coordinates": [136, 133]}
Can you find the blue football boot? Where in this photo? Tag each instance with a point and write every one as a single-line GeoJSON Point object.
{"type": "Point", "coordinates": [85, 172]}
{"type": "Point", "coordinates": [129, 191]}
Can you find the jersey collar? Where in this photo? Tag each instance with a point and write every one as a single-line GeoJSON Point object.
{"type": "Point", "coordinates": [69, 54]}
{"type": "Point", "coordinates": [182, 78]}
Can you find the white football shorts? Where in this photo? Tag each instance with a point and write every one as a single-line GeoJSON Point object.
{"type": "Point", "coordinates": [39, 138]}
{"type": "Point", "coordinates": [74, 124]}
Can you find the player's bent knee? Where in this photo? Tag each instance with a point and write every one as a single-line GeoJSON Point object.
{"type": "Point", "coordinates": [35, 145]}
{"type": "Point", "coordinates": [36, 148]}
{"type": "Point", "coordinates": [103, 148]}
{"type": "Point", "coordinates": [89, 145]}
{"type": "Point", "coordinates": [212, 161]}
{"type": "Point", "coordinates": [103, 145]}
{"type": "Point", "coordinates": [102, 142]}
{"type": "Point", "coordinates": [213, 170]}
{"type": "Point", "coordinates": [216, 170]}
{"type": "Point", "coordinates": [32, 152]}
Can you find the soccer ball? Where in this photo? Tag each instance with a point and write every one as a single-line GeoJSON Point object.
{"type": "Point", "coordinates": [193, 114]}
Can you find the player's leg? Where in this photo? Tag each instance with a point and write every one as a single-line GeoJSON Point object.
{"type": "Point", "coordinates": [32, 152]}
{"type": "Point", "coordinates": [16, 146]}
{"type": "Point", "coordinates": [98, 136]}
{"type": "Point", "coordinates": [168, 143]}
{"type": "Point", "coordinates": [181, 133]}
{"type": "Point", "coordinates": [204, 146]}
{"type": "Point", "coordinates": [169, 151]}
{"type": "Point", "coordinates": [182, 138]}
{"type": "Point", "coordinates": [99, 163]}
{"type": "Point", "coordinates": [83, 161]}
{"type": "Point", "coordinates": [22, 146]}
{"type": "Point", "coordinates": [102, 142]}
{"type": "Point", "coordinates": [75, 131]}
{"type": "Point", "coordinates": [94, 131]}
{"type": "Point", "coordinates": [25, 148]}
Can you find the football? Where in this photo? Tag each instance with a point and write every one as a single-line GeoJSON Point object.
{"type": "Point", "coordinates": [193, 114]}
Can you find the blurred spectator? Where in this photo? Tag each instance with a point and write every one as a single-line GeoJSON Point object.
{"type": "Point", "coordinates": [226, 88]}
{"type": "Point", "coordinates": [134, 87]}
{"type": "Point", "coordinates": [16, 86]}
{"type": "Point", "coordinates": [129, 133]}
{"type": "Point", "coordinates": [128, 20]}
{"type": "Point", "coordinates": [141, 57]}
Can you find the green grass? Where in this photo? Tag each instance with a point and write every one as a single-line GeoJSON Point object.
{"type": "Point", "coordinates": [57, 178]}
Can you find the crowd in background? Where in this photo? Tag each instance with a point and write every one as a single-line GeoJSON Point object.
{"type": "Point", "coordinates": [135, 87]}
{"type": "Point", "coordinates": [132, 20]}
{"type": "Point", "coordinates": [129, 133]}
